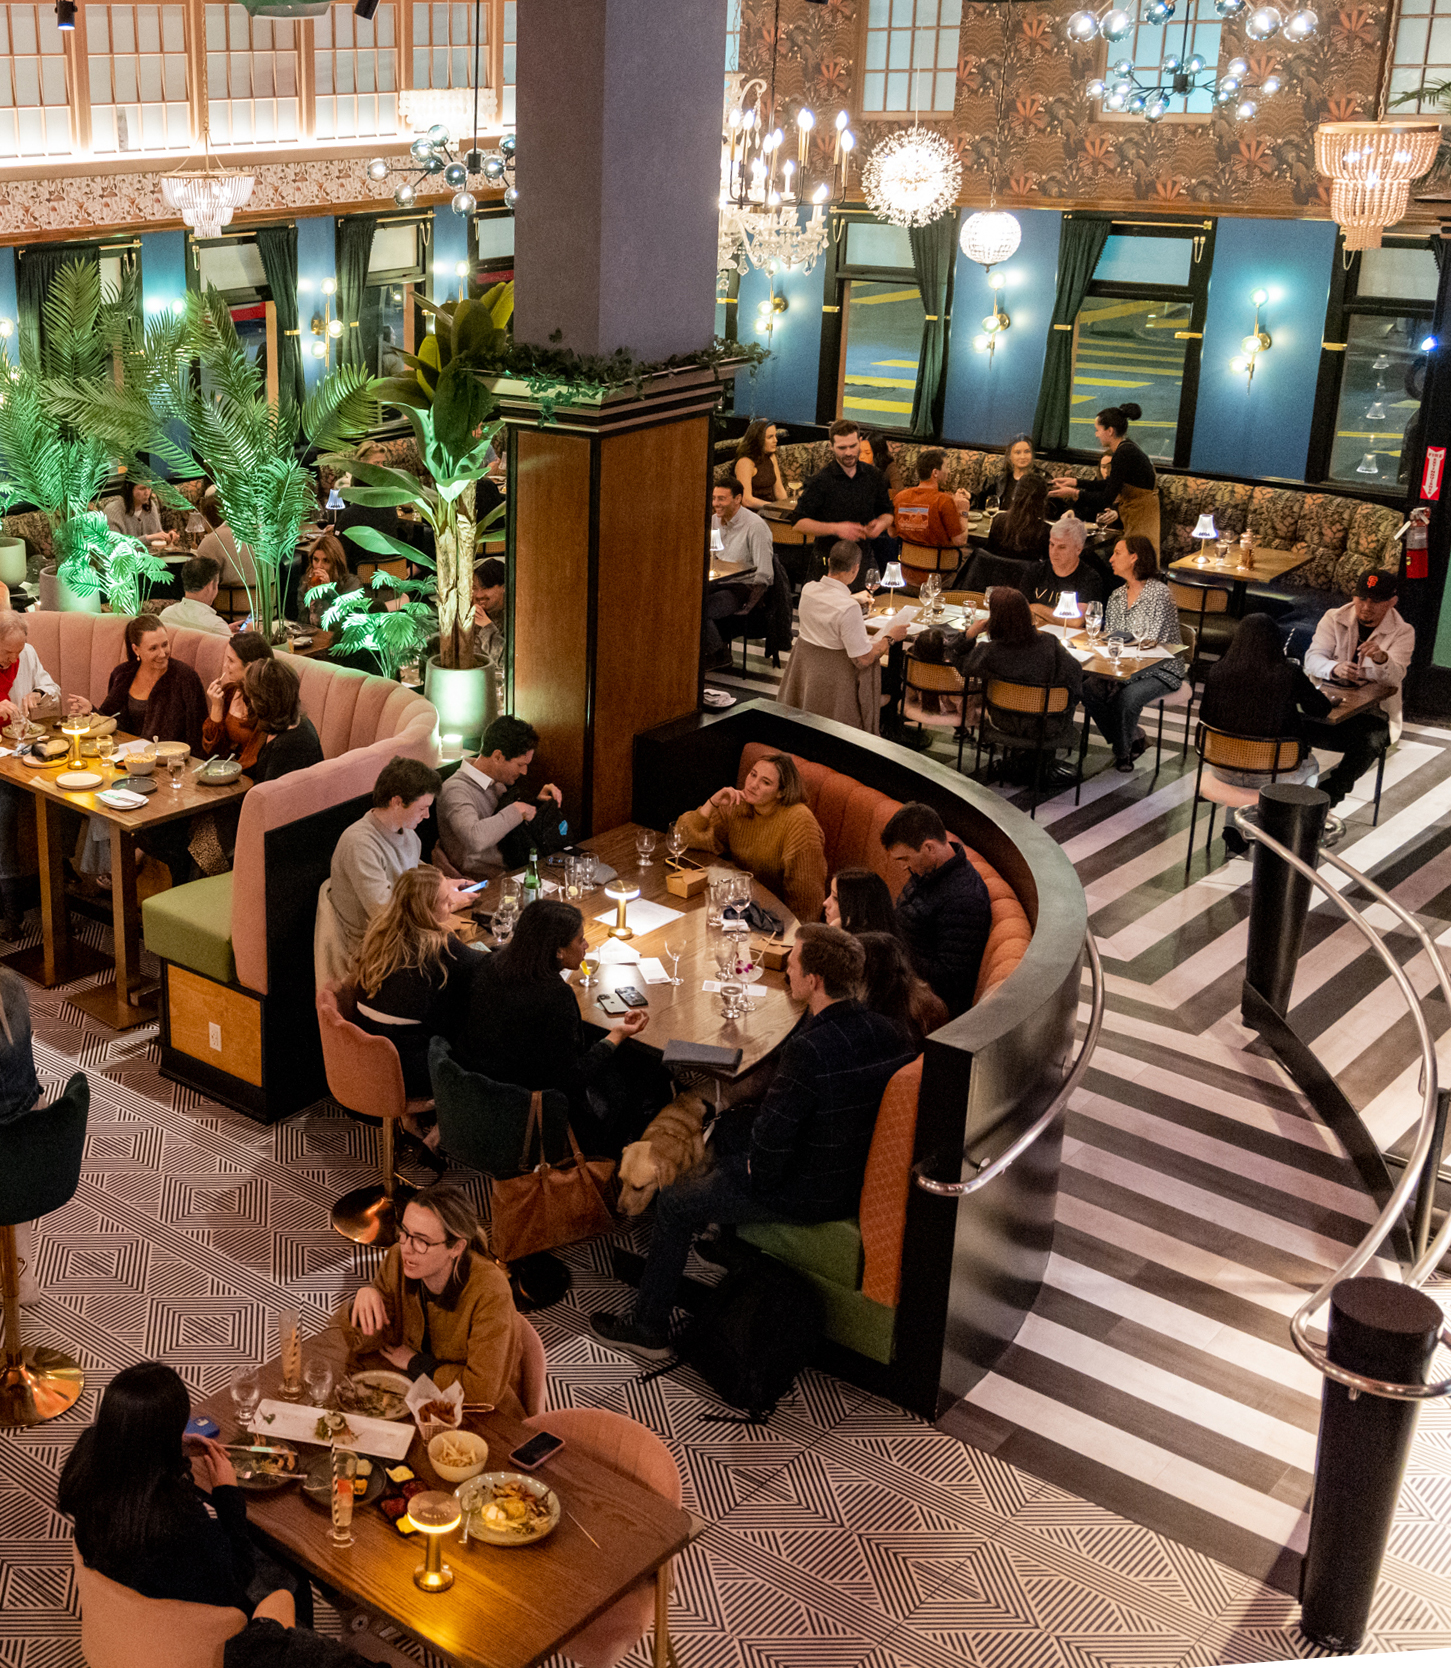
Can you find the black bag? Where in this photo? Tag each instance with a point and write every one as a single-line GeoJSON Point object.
{"type": "Point", "coordinates": [548, 831]}
{"type": "Point", "coordinates": [750, 1340]}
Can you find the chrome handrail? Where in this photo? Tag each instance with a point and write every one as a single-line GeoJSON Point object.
{"type": "Point", "coordinates": [990, 1172]}
{"type": "Point", "coordinates": [1400, 1194]}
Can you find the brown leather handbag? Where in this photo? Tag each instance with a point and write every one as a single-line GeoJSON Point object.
{"type": "Point", "coordinates": [551, 1204]}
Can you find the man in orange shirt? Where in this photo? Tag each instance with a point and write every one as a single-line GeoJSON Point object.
{"type": "Point", "coordinates": [925, 514]}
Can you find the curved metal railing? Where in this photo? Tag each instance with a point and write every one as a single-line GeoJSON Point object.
{"type": "Point", "coordinates": [1314, 1353]}
{"type": "Point", "coordinates": [990, 1172]}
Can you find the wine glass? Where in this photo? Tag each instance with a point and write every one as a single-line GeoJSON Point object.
{"type": "Point", "coordinates": [676, 840]}
{"type": "Point", "coordinates": [588, 863]}
{"type": "Point", "coordinates": [747, 968]}
{"type": "Point", "coordinates": [1093, 619]}
{"type": "Point", "coordinates": [991, 505]}
{"type": "Point", "coordinates": [871, 582]}
{"type": "Point", "coordinates": [246, 1394]}
{"type": "Point", "coordinates": [105, 748]}
{"type": "Point", "coordinates": [928, 592]}
{"type": "Point", "coordinates": [645, 846]}
{"type": "Point", "coordinates": [317, 1375]}
{"type": "Point", "coordinates": [675, 949]}
{"type": "Point", "coordinates": [174, 767]}
{"type": "Point", "coordinates": [589, 965]}
{"type": "Point", "coordinates": [723, 952]}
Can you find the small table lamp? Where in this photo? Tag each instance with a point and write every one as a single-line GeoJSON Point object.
{"type": "Point", "coordinates": [435, 1513]}
{"type": "Point", "coordinates": [717, 543]}
{"type": "Point", "coordinates": [622, 892]}
{"type": "Point", "coordinates": [1204, 530]}
{"type": "Point", "coordinates": [892, 580]}
{"type": "Point", "coordinates": [75, 726]}
{"type": "Point", "coordinates": [1067, 608]}
{"type": "Point", "coordinates": [335, 500]}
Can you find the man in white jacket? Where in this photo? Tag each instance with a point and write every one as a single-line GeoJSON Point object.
{"type": "Point", "coordinates": [24, 685]}
{"type": "Point", "coordinates": [1366, 641]}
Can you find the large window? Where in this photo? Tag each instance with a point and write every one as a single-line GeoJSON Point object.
{"type": "Point", "coordinates": [1373, 367]}
{"type": "Point", "coordinates": [356, 70]}
{"type": "Point", "coordinates": [910, 54]}
{"type": "Point", "coordinates": [1194, 28]}
{"type": "Point", "coordinates": [1137, 336]}
{"type": "Point", "coordinates": [391, 322]}
{"type": "Point", "coordinates": [34, 99]}
{"type": "Point", "coordinates": [252, 79]}
{"type": "Point", "coordinates": [136, 66]}
{"type": "Point", "coordinates": [1422, 52]}
{"type": "Point", "coordinates": [873, 332]}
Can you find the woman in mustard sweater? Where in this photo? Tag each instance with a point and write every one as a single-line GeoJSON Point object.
{"type": "Point", "coordinates": [768, 828]}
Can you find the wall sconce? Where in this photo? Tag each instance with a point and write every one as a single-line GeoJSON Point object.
{"type": "Point", "coordinates": [768, 312]}
{"type": "Point", "coordinates": [996, 322]}
{"type": "Point", "coordinates": [7, 329]}
{"type": "Point", "coordinates": [325, 327]}
{"type": "Point", "coordinates": [461, 272]}
{"type": "Point", "coordinates": [1253, 345]}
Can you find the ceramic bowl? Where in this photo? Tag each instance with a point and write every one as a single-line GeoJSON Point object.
{"type": "Point", "coordinates": [141, 762]}
{"type": "Point", "coordinates": [459, 1473]}
{"type": "Point", "coordinates": [171, 750]}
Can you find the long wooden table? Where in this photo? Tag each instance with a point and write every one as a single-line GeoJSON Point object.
{"type": "Point", "coordinates": [60, 957]}
{"type": "Point", "coordinates": [509, 1607]}
{"type": "Point", "coordinates": [684, 1011]}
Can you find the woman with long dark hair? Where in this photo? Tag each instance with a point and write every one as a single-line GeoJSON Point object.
{"type": "Point", "coordinates": [757, 468]}
{"type": "Point", "coordinates": [1131, 484]}
{"type": "Point", "coordinates": [230, 726]}
{"type": "Point", "coordinates": [1020, 465]}
{"type": "Point", "coordinates": [144, 1520]}
{"type": "Point", "coordinates": [892, 987]}
{"type": "Point", "coordinates": [1022, 530]}
{"type": "Point", "coordinates": [1018, 652]}
{"type": "Point", "coordinates": [859, 902]}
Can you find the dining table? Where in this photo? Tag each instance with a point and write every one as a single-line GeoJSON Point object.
{"type": "Point", "coordinates": [1349, 699]}
{"type": "Point", "coordinates": [508, 1606]}
{"type": "Point", "coordinates": [61, 957]}
{"type": "Point", "coordinates": [688, 1011]}
{"type": "Point", "coordinates": [1268, 563]}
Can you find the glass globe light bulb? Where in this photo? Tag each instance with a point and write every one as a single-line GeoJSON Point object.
{"type": "Point", "coordinates": [455, 175]}
{"type": "Point", "coordinates": [1270, 85]}
{"type": "Point", "coordinates": [1171, 65]}
{"type": "Point", "coordinates": [1246, 110]}
{"type": "Point", "coordinates": [511, 197]}
{"type": "Point", "coordinates": [378, 168]}
{"type": "Point", "coordinates": [1237, 67]}
{"type": "Point", "coordinates": [438, 133]}
{"type": "Point", "coordinates": [509, 144]}
{"type": "Point", "coordinates": [981, 343]}
{"type": "Point", "coordinates": [420, 148]}
{"type": "Point", "coordinates": [1229, 8]}
{"type": "Point", "coordinates": [1263, 22]}
{"type": "Point", "coordinates": [1259, 298]}
{"type": "Point", "coordinates": [1301, 25]}
{"type": "Point", "coordinates": [1115, 25]}
{"type": "Point", "coordinates": [1095, 89]}
{"type": "Point", "coordinates": [1125, 66]}
{"type": "Point", "coordinates": [433, 164]}
{"type": "Point", "coordinates": [1137, 104]}
{"type": "Point", "coordinates": [1195, 64]}
{"type": "Point", "coordinates": [464, 202]}
{"type": "Point", "coordinates": [1155, 110]}
{"type": "Point", "coordinates": [1082, 26]}
{"type": "Point", "coordinates": [1239, 366]}
{"type": "Point", "coordinates": [494, 169]}
{"type": "Point", "coordinates": [405, 196]}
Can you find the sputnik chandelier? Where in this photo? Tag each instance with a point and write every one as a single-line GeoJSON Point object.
{"type": "Point", "coordinates": [1137, 91]}
{"type": "Point", "coordinates": [431, 155]}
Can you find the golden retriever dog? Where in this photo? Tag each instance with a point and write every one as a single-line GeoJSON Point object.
{"type": "Point", "coordinates": [672, 1146]}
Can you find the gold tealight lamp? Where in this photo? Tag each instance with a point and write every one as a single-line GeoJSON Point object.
{"type": "Point", "coordinates": [75, 726]}
{"type": "Point", "coordinates": [434, 1514]}
{"type": "Point", "coordinates": [622, 892]}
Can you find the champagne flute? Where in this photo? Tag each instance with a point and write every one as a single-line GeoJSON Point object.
{"type": "Point", "coordinates": [675, 949]}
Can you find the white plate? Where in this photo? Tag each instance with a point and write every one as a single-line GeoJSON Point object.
{"type": "Point", "coordinates": [76, 781]}
{"type": "Point", "coordinates": [476, 1493]}
{"type": "Point", "coordinates": [297, 1422]}
{"type": "Point", "coordinates": [122, 799]}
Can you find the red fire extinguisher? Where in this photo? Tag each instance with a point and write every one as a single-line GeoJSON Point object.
{"type": "Point", "coordinates": [1415, 531]}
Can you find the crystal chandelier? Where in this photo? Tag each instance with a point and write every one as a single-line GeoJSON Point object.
{"type": "Point", "coordinates": [207, 197]}
{"type": "Point", "coordinates": [762, 191]}
{"type": "Point", "coordinates": [912, 178]}
{"type": "Point", "coordinates": [431, 156]}
{"type": "Point", "coordinates": [1370, 166]}
{"type": "Point", "coordinates": [1138, 92]}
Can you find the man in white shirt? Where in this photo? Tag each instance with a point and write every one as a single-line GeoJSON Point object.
{"type": "Point", "coordinates": [744, 537]}
{"type": "Point", "coordinates": [472, 816]}
{"type": "Point", "coordinates": [833, 648]}
{"type": "Point", "coordinates": [200, 580]}
{"type": "Point", "coordinates": [26, 684]}
{"type": "Point", "coordinates": [1366, 641]}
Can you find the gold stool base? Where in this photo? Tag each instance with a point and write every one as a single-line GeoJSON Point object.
{"type": "Point", "coordinates": [368, 1216]}
{"type": "Point", "coordinates": [41, 1385]}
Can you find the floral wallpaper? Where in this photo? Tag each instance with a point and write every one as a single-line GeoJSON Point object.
{"type": "Point", "coordinates": [1052, 149]}
{"type": "Point", "coordinates": [83, 202]}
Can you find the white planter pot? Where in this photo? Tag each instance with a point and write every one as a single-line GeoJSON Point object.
{"type": "Point", "coordinates": [56, 594]}
{"type": "Point", "coordinates": [466, 700]}
{"type": "Point", "coordinates": [12, 562]}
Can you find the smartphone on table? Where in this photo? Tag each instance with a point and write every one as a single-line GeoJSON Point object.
{"type": "Point", "coordinates": [613, 1004]}
{"type": "Point", "coordinates": [532, 1454]}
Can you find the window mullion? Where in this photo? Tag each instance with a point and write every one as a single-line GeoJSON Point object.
{"type": "Point", "coordinates": [78, 83]}
{"type": "Point", "coordinates": [306, 79]}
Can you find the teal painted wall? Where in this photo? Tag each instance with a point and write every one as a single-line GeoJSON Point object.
{"type": "Point", "coordinates": [450, 246]}
{"type": "Point", "coordinates": [784, 389]}
{"type": "Point", "coordinates": [9, 304]}
{"type": "Point", "coordinates": [316, 260]}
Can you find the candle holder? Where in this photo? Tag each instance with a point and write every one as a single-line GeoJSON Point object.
{"type": "Point", "coordinates": [621, 892]}
{"type": "Point", "coordinates": [75, 726]}
{"type": "Point", "coordinates": [434, 1514]}
{"type": "Point", "coordinates": [892, 580]}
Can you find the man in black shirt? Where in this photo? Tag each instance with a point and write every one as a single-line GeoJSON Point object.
{"type": "Point", "coordinates": [1065, 570]}
{"type": "Point", "coordinates": [943, 911]}
{"type": "Point", "coordinates": [846, 500]}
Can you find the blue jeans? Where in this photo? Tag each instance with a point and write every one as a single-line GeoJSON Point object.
{"type": "Point", "coordinates": [1114, 704]}
{"type": "Point", "coordinates": [719, 1195]}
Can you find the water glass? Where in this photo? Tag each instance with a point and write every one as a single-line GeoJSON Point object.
{"type": "Point", "coordinates": [174, 767]}
{"type": "Point", "coordinates": [645, 846]}
{"type": "Point", "coordinates": [1221, 550]}
{"type": "Point", "coordinates": [718, 891]}
{"type": "Point", "coordinates": [246, 1394]}
{"type": "Point", "coordinates": [105, 748]}
{"type": "Point", "coordinates": [289, 1340]}
{"type": "Point", "coordinates": [573, 890]}
{"type": "Point", "coordinates": [506, 918]}
{"type": "Point", "coordinates": [317, 1375]}
{"type": "Point", "coordinates": [1115, 649]}
{"type": "Point", "coordinates": [732, 998]}
{"type": "Point", "coordinates": [1093, 619]}
{"type": "Point", "coordinates": [345, 1469]}
{"type": "Point", "coordinates": [589, 966]}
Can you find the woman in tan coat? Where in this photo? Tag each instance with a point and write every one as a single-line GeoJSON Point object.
{"type": "Point", "coordinates": [439, 1304]}
{"type": "Point", "coordinates": [767, 827]}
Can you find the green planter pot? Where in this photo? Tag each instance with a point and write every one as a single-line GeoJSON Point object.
{"type": "Point", "coordinates": [467, 701]}
{"type": "Point", "coordinates": [12, 562]}
{"type": "Point", "coordinates": [56, 594]}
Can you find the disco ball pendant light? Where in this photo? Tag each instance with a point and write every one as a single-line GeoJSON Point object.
{"type": "Point", "coordinates": [912, 178]}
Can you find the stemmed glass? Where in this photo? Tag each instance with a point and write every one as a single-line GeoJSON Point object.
{"type": "Point", "coordinates": [588, 863]}
{"type": "Point", "coordinates": [747, 967]}
{"type": "Point", "coordinates": [1093, 620]}
{"type": "Point", "coordinates": [991, 505]}
{"type": "Point", "coordinates": [871, 583]}
{"type": "Point", "coordinates": [246, 1394]}
{"type": "Point", "coordinates": [675, 949]}
{"type": "Point", "coordinates": [928, 593]}
{"type": "Point", "coordinates": [676, 840]}
{"type": "Point", "coordinates": [589, 965]}
{"type": "Point", "coordinates": [645, 846]}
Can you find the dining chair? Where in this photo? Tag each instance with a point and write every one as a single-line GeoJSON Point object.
{"type": "Point", "coordinates": [533, 1370]}
{"type": "Point", "coordinates": [918, 560]}
{"type": "Point", "coordinates": [1272, 755]}
{"type": "Point", "coordinates": [926, 677]}
{"type": "Point", "coordinates": [365, 1075]}
{"type": "Point", "coordinates": [43, 1150]}
{"type": "Point", "coordinates": [482, 1123]}
{"type": "Point", "coordinates": [1040, 700]}
{"type": "Point", "coordinates": [1183, 696]}
{"type": "Point", "coordinates": [121, 1628]}
{"type": "Point", "coordinates": [630, 1448]}
{"type": "Point", "coordinates": [1206, 608]}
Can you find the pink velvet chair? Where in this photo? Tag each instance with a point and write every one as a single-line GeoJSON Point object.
{"type": "Point", "coordinates": [629, 1448]}
{"type": "Point", "coordinates": [533, 1371]}
{"type": "Point", "coordinates": [123, 1629]}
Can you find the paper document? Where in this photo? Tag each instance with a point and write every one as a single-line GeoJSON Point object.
{"type": "Point", "coordinates": [652, 970]}
{"type": "Point", "coordinates": [713, 987]}
{"type": "Point", "coordinates": [644, 916]}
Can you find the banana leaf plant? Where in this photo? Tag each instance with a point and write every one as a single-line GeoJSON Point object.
{"type": "Point", "coordinates": [58, 466]}
{"type": "Point", "coordinates": [188, 391]}
{"type": "Point", "coordinates": [449, 411]}
{"type": "Point", "coordinates": [395, 637]}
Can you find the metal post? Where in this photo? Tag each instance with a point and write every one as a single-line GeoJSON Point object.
{"type": "Point", "coordinates": [1383, 1330]}
{"type": "Point", "coordinates": [1426, 1192]}
{"type": "Point", "coordinates": [1279, 896]}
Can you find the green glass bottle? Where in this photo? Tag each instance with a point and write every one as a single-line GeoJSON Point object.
{"type": "Point", "coordinates": [533, 886]}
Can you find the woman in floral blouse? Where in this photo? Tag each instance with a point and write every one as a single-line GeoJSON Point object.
{"type": "Point", "coordinates": [1141, 607]}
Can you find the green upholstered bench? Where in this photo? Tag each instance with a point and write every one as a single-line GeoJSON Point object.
{"type": "Point", "coordinates": [831, 1256]}
{"type": "Point", "coordinates": [191, 926]}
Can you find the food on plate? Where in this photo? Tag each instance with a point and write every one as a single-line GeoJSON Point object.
{"type": "Point", "coordinates": [365, 1468]}
{"type": "Point", "coordinates": [457, 1451]}
{"type": "Point", "coordinates": [272, 1465]}
{"type": "Point", "coordinates": [400, 1474]}
{"type": "Point", "coordinates": [334, 1427]}
{"type": "Point", "coordinates": [441, 1410]}
{"type": "Point", "coordinates": [516, 1509]}
{"type": "Point", "coordinates": [374, 1400]}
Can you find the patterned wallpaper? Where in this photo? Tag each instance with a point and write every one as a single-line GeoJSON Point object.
{"type": "Point", "coordinates": [1052, 150]}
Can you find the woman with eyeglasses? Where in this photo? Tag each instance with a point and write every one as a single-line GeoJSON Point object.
{"type": "Point", "coordinates": [439, 1304]}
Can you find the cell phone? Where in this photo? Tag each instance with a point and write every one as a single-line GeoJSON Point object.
{"type": "Point", "coordinates": [612, 1004]}
{"type": "Point", "coordinates": [477, 886]}
{"type": "Point", "coordinates": [536, 1450]}
{"type": "Point", "coordinates": [632, 996]}
{"type": "Point", "coordinates": [200, 1425]}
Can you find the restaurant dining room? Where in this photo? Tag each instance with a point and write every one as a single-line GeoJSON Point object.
{"type": "Point", "coordinates": [725, 833]}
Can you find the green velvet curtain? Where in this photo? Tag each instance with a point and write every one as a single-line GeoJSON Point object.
{"type": "Point", "coordinates": [277, 245]}
{"type": "Point", "coordinates": [933, 249]}
{"type": "Point", "coordinates": [1080, 243]}
{"type": "Point", "coordinates": [355, 244]}
{"type": "Point", "coordinates": [34, 270]}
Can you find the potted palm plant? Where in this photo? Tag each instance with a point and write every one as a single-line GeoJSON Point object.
{"type": "Point", "coordinates": [187, 391]}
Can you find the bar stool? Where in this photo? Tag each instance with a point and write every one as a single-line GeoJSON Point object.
{"type": "Point", "coordinates": [365, 1075]}
{"type": "Point", "coordinates": [39, 1173]}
